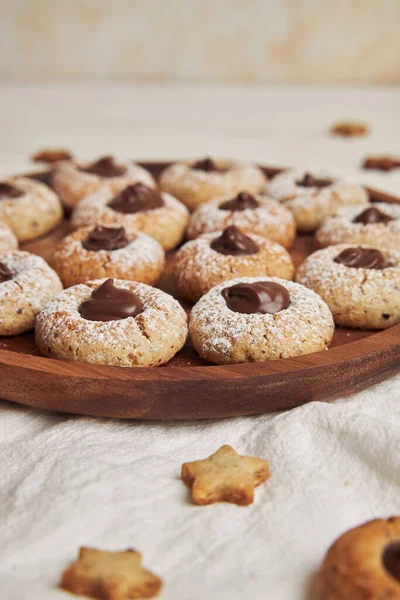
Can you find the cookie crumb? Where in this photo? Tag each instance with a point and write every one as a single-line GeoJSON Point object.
{"type": "Point", "coordinates": [110, 575]}
{"type": "Point", "coordinates": [225, 476]}
{"type": "Point", "coordinates": [349, 129]}
{"type": "Point", "coordinates": [381, 163]}
{"type": "Point", "coordinates": [52, 155]}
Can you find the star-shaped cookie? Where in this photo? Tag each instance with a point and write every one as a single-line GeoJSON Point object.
{"type": "Point", "coordinates": [225, 476]}
{"type": "Point", "coordinates": [110, 576]}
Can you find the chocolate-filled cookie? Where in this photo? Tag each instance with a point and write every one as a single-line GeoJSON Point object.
{"type": "Point", "coordinates": [375, 224]}
{"type": "Point", "coordinates": [108, 251]}
{"type": "Point", "coordinates": [222, 255]}
{"type": "Point", "coordinates": [313, 195]}
{"type": "Point", "coordinates": [112, 322]}
{"type": "Point", "coordinates": [251, 214]}
{"type": "Point", "coordinates": [74, 181]}
{"type": "Point", "coordinates": [28, 207]}
{"type": "Point", "coordinates": [363, 563]}
{"type": "Point", "coordinates": [27, 284]}
{"type": "Point", "coordinates": [360, 284]}
{"type": "Point", "coordinates": [136, 208]}
{"type": "Point", "coordinates": [197, 182]}
{"type": "Point", "coordinates": [254, 319]}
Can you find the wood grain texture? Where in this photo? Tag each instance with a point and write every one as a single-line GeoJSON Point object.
{"type": "Point", "coordinates": [188, 387]}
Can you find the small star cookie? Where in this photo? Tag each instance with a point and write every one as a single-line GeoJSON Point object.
{"type": "Point", "coordinates": [110, 576]}
{"type": "Point", "coordinates": [225, 477]}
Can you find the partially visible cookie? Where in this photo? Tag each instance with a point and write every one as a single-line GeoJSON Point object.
{"type": "Point", "coordinates": [197, 182]}
{"type": "Point", "coordinates": [313, 195]}
{"type": "Point", "coordinates": [363, 564]}
{"type": "Point", "coordinates": [225, 476]}
{"type": "Point", "coordinates": [219, 256]}
{"type": "Point", "coordinates": [360, 284]}
{"type": "Point", "coordinates": [381, 163]}
{"type": "Point", "coordinates": [110, 576]}
{"type": "Point", "coordinates": [251, 214]}
{"type": "Point", "coordinates": [377, 225]}
{"type": "Point", "coordinates": [52, 155]}
{"type": "Point", "coordinates": [349, 129]}
{"type": "Point", "coordinates": [8, 241]}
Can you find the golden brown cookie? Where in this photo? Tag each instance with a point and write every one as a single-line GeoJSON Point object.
{"type": "Point", "coordinates": [73, 182]}
{"type": "Point", "coordinates": [225, 476]}
{"type": "Point", "coordinates": [251, 214]}
{"type": "Point", "coordinates": [110, 576]}
{"type": "Point", "coordinates": [27, 284]}
{"type": "Point", "coordinates": [136, 208]}
{"type": "Point", "coordinates": [28, 207]}
{"type": "Point", "coordinates": [360, 284]}
{"type": "Point", "coordinates": [197, 182]}
{"type": "Point", "coordinates": [312, 196]}
{"type": "Point", "coordinates": [219, 256]}
{"type": "Point", "coordinates": [52, 155]}
{"type": "Point", "coordinates": [112, 322]}
{"type": "Point", "coordinates": [254, 319]}
{"type": "Point", "coordinates": [96, 252]}
{"type": "Point", "coordinates": [8, 241]}
{"type": "Point", "coordinates": [363, 564]}
{"type": "Point", "coordinates": [349, 129]}
{"type": "Point", "coordinates": [375, 224]}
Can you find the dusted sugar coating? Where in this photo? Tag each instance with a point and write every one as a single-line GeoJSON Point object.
{"type": "Point", "coordinates": [32, 286]}
{"type": "Point", "coordinates": [198, 268]}
{"type": "Point", "coordinates": [225, 476]}
{"type": "Point", "coordinates": [223, 337]}
{"type": "Point", "coordinates": [196, 186]}
{"type": "Point", "coordinates": [33, 212]}
{"type": "Point", "coordinates": [165, 224]}
{"type": "Point", "coordinates": [110, 576]}
{"type": "Point", "coordinates": [73, 181]}
{"type": "Point", "coordinates": [8, 241]}
{"type": "Point", "coordinates": [311, 204]}
{"type": "Point", "coordinates": [141, 259]}
{"type": "Point", "coordinates": [361, 298]}
{"type": "Point", "coordinates": [150, 339]}
{"type": "Point", "coordinates": [343, 228]}
{"type": "Point", "coordinates": [354, 566]}
{"type": "Point", "coordinates": [269, 220]}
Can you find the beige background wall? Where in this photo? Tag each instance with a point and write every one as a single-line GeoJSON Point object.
{"type": "Point", "coordinates": [317, 41]}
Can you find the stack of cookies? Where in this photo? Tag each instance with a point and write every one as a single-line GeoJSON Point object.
{"type": "Point", "coordinates": [232, 229]}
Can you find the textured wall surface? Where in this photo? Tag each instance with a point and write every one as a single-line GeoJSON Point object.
{"type": "Point", "coordinates": [240, 41]}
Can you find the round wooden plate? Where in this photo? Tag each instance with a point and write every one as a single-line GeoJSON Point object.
{"type": "Point", "coordinates": [188, 387]}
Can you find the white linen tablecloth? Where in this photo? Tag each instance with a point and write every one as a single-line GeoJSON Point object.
{"type": "Point", "coordinates": [67, 481]}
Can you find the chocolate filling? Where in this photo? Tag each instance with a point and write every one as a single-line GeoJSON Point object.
{"type": "Point", "coordinates": [391, 559]}
{"type": "Point", "coordinates": [105, 238]}
{"type": "Point", "coordinates": [372, 215]}
{"type": "Point", "coordinates": [9, 191]}
{"type": "Point", "coordinates": [260, 297]}
{"type": "Point", "coordinates": [109, 303]}
{"type": "Point", "coordinates": [311, 181]}
{"type": "Point", "coordinates": [234, 243]}
{"type": "Point", "coordinates": [136, 198]}
{"type": "Point", "coordinates": [207, 165]}
{"type": "Point", "coordinates": [361, 258]}
{"type": "Point", "coordinates": [105, 167]}
{"type": "Point", "coordinates": [241, 202]}
{"type": "Point", "coordinates": [5, 273]}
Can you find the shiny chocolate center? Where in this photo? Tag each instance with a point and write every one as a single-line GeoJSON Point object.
{"type": "Point", "coordinates": [372, 215]}
{"type": "Point", "coordinates": [391, 559]}
{"type": "Point", "coordinates": [234, 243]}
{"type": "Point", "coordinates": [105, 238]}
{"type": "Point", "coordinates": [9, 191]}
{"type": "Point", "coordinates": [109, 303]}
{"type": "Point", "coordinates": [361, 258]}
{"type": "Point", "coordinates": [309, 180]}
{"type": "Point", "coordinates": [105, 167]}
{"type": "Point", "coordinates": [136, 198]}
{"type": "Point", "coordinates": [242, 201]}
{"type": "Point", "coordinates": [259, 297]}
{"type": "Point", "coordinates": [5, 273]}
{"type": "Point", "coordinates": [207, 164]}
